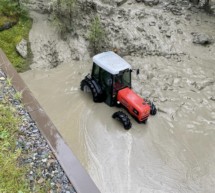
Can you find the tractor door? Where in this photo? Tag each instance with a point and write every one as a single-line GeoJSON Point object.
{"type": "Point", "coordinates": [95, 72]}
{"type": "Point", "coordinates": [106, 80]}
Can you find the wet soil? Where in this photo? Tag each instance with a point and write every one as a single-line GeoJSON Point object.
{"type": "Point", "coordinates": [174, 151]}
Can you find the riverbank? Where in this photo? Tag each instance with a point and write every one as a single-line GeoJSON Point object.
{"type": "Point", "coordinates": [31, 165]}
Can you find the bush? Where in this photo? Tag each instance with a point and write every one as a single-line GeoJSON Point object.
{"type": "Point", "coordinates": [96, 36]}
{"type": "Point", "coordinates": [64, 14]}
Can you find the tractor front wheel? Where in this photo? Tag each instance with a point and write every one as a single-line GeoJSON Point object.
{"type": "Point", "coordinates": [123, 118]}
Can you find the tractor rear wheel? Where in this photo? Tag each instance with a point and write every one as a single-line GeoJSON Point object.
{"type": "Point", "coordinates": [153, 110]}
{"type": "Point", "coordinates": [90, 85]}
{"type": "Point", "coordinates": [123, 118]}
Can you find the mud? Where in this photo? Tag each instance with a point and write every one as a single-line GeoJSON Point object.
{"type": "Point", "coordinates": [175, 150]}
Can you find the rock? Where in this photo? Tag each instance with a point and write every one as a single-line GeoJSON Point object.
{"type": "Point", "coordinates": [162, 99]}
{"type": "Point", "coordinates": [7, 25]}
{"type": "Point", "coordinates": [212, 98]}
{"type": "Point", "coordinates": [149, 2]}
{"type": "Point", "coordinates": [205, 83]}
{"type": "Point", "coordinates": [120, 2]}
{"type": "Point", "coordinates": [202, 39]}
{"type": "Point", "coordinates": [179, 31]}
{"type": "Point", "coordinates": [2, 74]}
{"type": "Point", "coordinates": [2, 78]}
{"type": "Point", "coordinates": [176, 11]}
{"type": "Point", "coordinates": [41, 180]}
{"type": "Point", "coordinates": [140, 29]}
{"type": "Point", "coordinates": [152, 23]}
{"type": "Point", "coordinates": [168, 34]}
{"type": "Point", "coordinates": [21, 48]}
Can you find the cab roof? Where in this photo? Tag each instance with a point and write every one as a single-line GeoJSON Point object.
{"type": "Point", "coordinates": [111, 62]}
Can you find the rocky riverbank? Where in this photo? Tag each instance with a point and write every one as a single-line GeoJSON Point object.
{"type": "Point", "coordinates": [43, 168]}
{"type": "Point", "coordinates": [133, 28]}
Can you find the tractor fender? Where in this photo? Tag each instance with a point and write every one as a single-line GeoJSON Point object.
{"type": "Point", "coordinates": [94, 88]}
{"type": "Point", "coordinates": [97, 87]}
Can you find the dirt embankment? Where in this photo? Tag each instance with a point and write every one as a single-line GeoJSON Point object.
{"type": "Point", "coordinates": [136, 29]}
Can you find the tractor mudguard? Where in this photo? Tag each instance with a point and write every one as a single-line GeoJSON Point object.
{"type": "Point", "coordinates": [95, 89]}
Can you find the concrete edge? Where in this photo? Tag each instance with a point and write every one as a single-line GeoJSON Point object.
{"type": "Point", "coordinates": [70, 164]}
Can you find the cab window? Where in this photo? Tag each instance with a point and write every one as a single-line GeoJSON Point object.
{"type": "Point", "coordinates": [95, 72]}
{"type": "Point", "coordinates": [106, 77]}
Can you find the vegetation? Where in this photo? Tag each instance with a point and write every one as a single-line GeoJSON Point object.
{"type": "Point", "coordinates": [60, 9]}
{"type": "Point", "coordinates": [18, 96]}
{"type": "Point", "coordinates": [12, 172]}
{"type": "Point", "coordinates": [96, 36]}
{"type": "Point", "coordinates": [12, 177]}
{"type": "Point", "coordinates": [12, 12]}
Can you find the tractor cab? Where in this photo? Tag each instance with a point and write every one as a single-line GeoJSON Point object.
{"type": "Point", "coordinates": [112, 73]}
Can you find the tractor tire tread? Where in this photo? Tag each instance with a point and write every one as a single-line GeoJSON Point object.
{"type": "Point", "coordinates": [153, 110]}
{"type": "Point", "coordinates": [123, 118]}
{"type": "Point", "coordinates": [95, 89]}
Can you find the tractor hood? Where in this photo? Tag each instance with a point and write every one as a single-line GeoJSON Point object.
{"type": "Point", "coordinates": [134, 103]}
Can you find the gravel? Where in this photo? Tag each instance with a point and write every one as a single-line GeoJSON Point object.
{"type": "Point", "coordinates": [36, 153]}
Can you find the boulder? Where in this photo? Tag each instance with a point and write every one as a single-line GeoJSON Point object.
{"type": "Point", "coordinates": [21, 48]}
{"type": "Point", "coordinates": [202, 39]}
{"type": "Point", "coordinates": [120, 2]}
{"type": "Point", "coordinates": [7, 25]}
{"type": "Point", "coordinates": [149, 2]}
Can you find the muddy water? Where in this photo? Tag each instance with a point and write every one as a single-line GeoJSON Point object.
{"type": "Point", "coordinates": [173, 152]}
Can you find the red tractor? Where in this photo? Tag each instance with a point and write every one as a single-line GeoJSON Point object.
{"type": "Point", "coordinates": [110, 82]}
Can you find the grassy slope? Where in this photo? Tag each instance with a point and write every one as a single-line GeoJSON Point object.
{"type": "Point", "coordinates": [12, 177]}
{"type": "Point", "coordinates": [9, 38]}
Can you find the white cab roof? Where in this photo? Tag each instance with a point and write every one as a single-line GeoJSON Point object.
{"type": "Point", "coordinates": [111, 62]}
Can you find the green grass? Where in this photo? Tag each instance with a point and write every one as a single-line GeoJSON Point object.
{"type": "Point", "coordinates": [4, 19]}
{"type": "Point", "coordinates": [9, 39]}
{"type": "Point", "coordinates": [13, 174]}
{"type": "Point", "coordinates": [18, 96]}
{"type": "Point", "coordinates": [11, 12]}
{"type": "Point", "coordinates": [12, 177]}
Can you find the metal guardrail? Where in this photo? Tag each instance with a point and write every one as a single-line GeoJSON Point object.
{"type": "Point", "coordinates": [72, 167]}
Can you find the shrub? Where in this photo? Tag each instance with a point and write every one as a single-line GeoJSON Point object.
{"type": "Point", "coordinates": [96, 36]}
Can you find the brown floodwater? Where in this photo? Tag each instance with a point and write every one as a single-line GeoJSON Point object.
{"type": "Point", "coordinates": [173, 152]}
